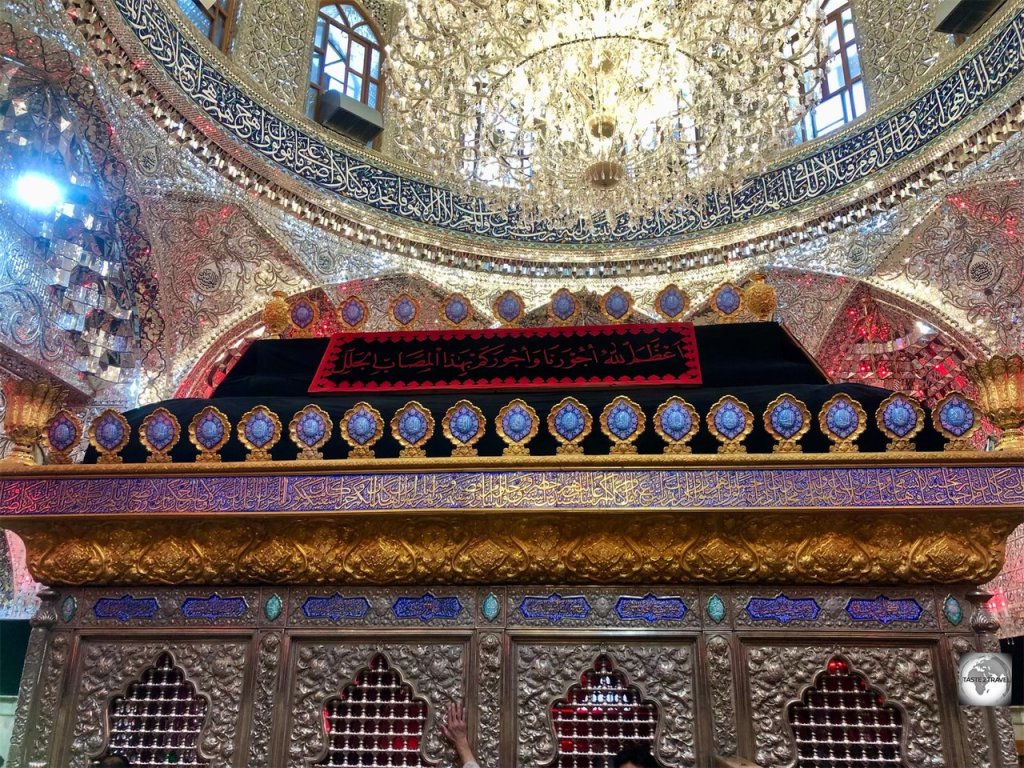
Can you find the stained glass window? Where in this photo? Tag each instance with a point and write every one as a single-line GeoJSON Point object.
{"type": "Point", "coordinates": [599, 716]}
{"type": "Point", "coordinates": [842, 97]}
{"type": "Point", "coordinates": [347, 56]}
{"type": "Point", "coordinates": [158, 720]}
{"type": "Point", "coordinates": [375, 721]}
{"type": "Point", "coordinates": [842, 722]}
{"type": "Point", "coordinates": [214, 18]}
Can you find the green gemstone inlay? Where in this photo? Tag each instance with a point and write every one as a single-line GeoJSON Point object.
{"type": "Point", "coordinates": [273, 607]}
{"type": "Point", "coordinates": [716, 609]}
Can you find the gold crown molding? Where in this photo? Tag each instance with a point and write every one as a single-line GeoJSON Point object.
{"type": "Point", "coordinates": [962, 146]}
{"type": "Point", "coordinates": [657, 547]}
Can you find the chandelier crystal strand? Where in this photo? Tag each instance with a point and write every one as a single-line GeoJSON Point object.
{"type": "Point", "coordinates": [582, 111]}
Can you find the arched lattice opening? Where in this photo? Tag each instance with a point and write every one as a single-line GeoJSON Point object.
{"type": "Point", "coordinates": [377, 720]}
{"type": "Point", "coordinates": [158, 720]}
{"type": "Point", "coordinates": [599, 716]}
{"type": "Point", "coordinates": [347, 56]}
{"type": "Point", "coordinates": [841, 721]}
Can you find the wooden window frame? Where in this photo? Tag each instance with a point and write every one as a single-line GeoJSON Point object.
{"type": "Point", "coordinates": [320, 48]}
{"type": "Point", "coordinates": [808, 128]}
{"type": "Point", "coordinates": [225, 13]}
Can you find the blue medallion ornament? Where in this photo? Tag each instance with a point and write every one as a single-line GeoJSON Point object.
{"type": "Point", "coordinates": [160, 431]}
{"type": "Point", "coordinates": [214, 608]}
{"type": "Point", "coordinates": [508, 307]}
{"type": "Point", "coordinates": [671, 303]}
{"type": "Point", "coordinates": [650, 608]}
{"type": "Point", "coordinates": [555, 608]}
{"type": "Point", "coordinates": [676, 424]}
{"type": "Point", "coordinates": [842, 420]}
{"type": "Point", "coordinates": [517, 424]}
{"type": "Point", "coordinates": [463, 425]}
{"type": "Point", "coordinates": [727, 301]}
{"type": "Point", "coordinates": [716, 609]}
{"type": "Point", "coordinates": [361, 427]}
{"type": "Point", "coordinates": [302, 314]}
{"type": "Point", "coordinates": [110, 432]}
{"type": "Point", "coordinates": [563, 307]}
{"type": "Point", "coordinates": [730, 421]}
{"type": "Point", "coordinates": [260, 429]}
{"type": "Point", "coordinates": [63, 433]}
{"type": "Point", "coordinates": [623, 422]}
{"type": "Point", "coordinates": [336, 607]}
{"type": "Point", "coordinates": [786, 419]}
{"type": "Point", "coordinates": [353, 312]}
{"type": "Point", "coordinates": [900, 418]}
{"type": "Point", "coordinates": [956, 418]}
{"type": "Point", "coordinates": [405, 310]}
{"type": "Point", "coordinates": [456, 309]}
{"type": "Point", "coordinates": [427, 608]}
{"type": "Point", "coordinates": [783, 609]}
{"type": "Point", "coordinates": [569, 422]}
{"type": "Point", "coordinates": [412, 426]}
{"type": "Point", "coordinates": [617, 305]}
{"type": "Point", "coordinates": [126, 608]}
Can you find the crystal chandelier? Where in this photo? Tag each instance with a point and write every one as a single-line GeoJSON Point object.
{"type": "Point", "coordinates": [574, 111]}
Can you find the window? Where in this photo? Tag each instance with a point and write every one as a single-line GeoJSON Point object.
{"type": "Point", "coordinates": [214, 18]}
{"type": "Point", "coordinates": [347, 57]}
{"type": "Point", "coordinates": [375, 721]}
{"type": "Point", "coordinates": [842, 98]}
{"type": "Point", "coordinates": [599, 715]}
{"type": "Point", "coordinates": [841, 720]}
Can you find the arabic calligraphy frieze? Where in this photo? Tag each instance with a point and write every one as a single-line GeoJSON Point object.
{"type": "Point", "coordinates": [850, 159]}
{"type": "Point", "coordinates": [765, 488]}
{"type": "Point", "coordinates": [495, 358]}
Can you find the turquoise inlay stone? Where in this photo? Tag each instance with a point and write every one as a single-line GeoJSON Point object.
{"type": "Point", "coordinates": [951, 608]}
{"type": "Point", "coordinates": [273, 607]}
{"type": "Point", "coordinates": [490, 607]}
{"type": "Point", "coordinates": [68, 608]}
{"type": "Point", "coordinates": [716, 609]}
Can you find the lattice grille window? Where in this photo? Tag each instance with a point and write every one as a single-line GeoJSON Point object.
{"type": "Point", "coordinates": [157, 722]}
{"type": "Point", "coordinates": [842, 722]}
{"type": "Point", "coordinates": [376, 720]}
{"type": "Point", "coordinates": [599, 716]}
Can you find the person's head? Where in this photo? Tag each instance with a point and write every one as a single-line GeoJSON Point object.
{"type": "Point", "coordinates": [113, 761]}
{"type": "Point", "coordinates": [634, 756]}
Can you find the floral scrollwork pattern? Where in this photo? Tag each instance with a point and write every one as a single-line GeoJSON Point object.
{"type": "Point", "coordinates": [267, 660]}
{"type": "Point", "coordinates": [489, 704]}
{"type": "Point", "coordinates": [722, 696]}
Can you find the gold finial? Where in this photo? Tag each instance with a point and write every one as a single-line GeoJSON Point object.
{"type": "Point", "coordinates": [276, 317]}
{"type": "Point", "coordinates": [760, 298]}
{"type": "Point", "coordinates": [30, 407]}
{"type": "Point", "coordinates": [1000, 383]}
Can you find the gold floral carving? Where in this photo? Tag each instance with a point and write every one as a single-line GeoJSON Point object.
{"type": "Point", "coordinates": [855, 547]}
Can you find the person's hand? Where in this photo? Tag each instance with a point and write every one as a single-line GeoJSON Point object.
{"type": "Point", "coordinates": [454, 729]}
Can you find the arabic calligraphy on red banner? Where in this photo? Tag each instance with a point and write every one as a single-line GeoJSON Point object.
{"type": "Point", "coordinates": [510, 358]}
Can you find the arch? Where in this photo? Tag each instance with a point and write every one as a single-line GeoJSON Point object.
{"type": "Point", "coordinates": [215, 20]}
{"type": "Point", "coordinates": [841, 719]}
{"type": "Point", "coordinates": [376, 720]}
{"type": "Point", "coordinates": [600, 715]}
{"type": "Point", "coordinates": [347, 56]}
{"type": "Point", "coordinates": [157, 721]}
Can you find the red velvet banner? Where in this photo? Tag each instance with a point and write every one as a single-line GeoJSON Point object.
{"type": "Point", "coordinates": [511, 358]}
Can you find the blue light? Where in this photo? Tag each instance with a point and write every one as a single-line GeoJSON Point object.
{"type": "Point", "coordinates": [38, 191]}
